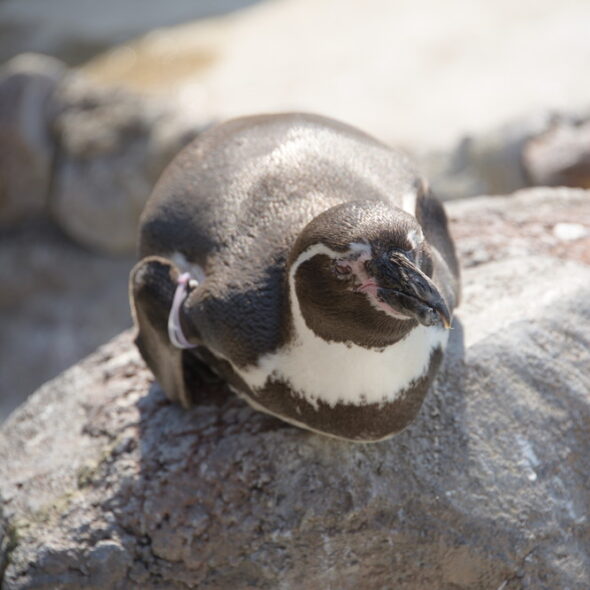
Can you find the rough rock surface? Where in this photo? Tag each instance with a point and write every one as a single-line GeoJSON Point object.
{"type": "Point", "coordinates": [113, 145]}
{"type": "Point", "coordinates": [107, 485]}
{"type": "Point", "coordinates": [58, 302]}
{"type": "Point", "coordinates": [538, 221]}
{"type": "Point", "coordinates": [74, 30]}
{"type": "Point", "coordinates": [490, 163]}
{"type": "Point", "coordinates": [544, 149]}
{"type": "Point", "coordinates": [419, 74]}
{"type": "Point", "coordinates": [560, 156]}
{"type": "Point", "coordinates": [87, 154]}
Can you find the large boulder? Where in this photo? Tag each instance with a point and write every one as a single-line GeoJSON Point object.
{"type": "Point", "coordinates": [27, 149]}
{"type": "Point", "coordinates": [86, 154]}
{"type": "Point", "coordinates": [105, 484]}
{"type": "Point", "coordinates": [58, 303]}
{"type": "Point", "coordinates": [418, 74]}
{"type": "Point", "coordinates": [560, 156]}
{"type": "Point", "coordinates": [543, 149]}
{"type": "Point", "coordinates": [113, 145]}
{"type": "Point", "coordinates": [75, 31]}
{"type": "Point", "coordinates": [489, 163]}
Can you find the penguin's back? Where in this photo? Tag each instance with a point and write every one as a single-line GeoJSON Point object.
{"type": "Point", "coordinates": [246, 188]}
{"type": "Point", "coordinates": [233, 202]}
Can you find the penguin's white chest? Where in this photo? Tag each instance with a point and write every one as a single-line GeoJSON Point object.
{"type": "Point", "coordinates": [344, 373]}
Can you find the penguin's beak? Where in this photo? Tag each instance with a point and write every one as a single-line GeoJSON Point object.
{"type": "Point", "coordinates": [406, 289]}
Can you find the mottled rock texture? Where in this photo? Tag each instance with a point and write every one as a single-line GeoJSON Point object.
{"type": "Point", "coordinates": [105, 484]}
{"type": "Point", "coordinates": [75, 31]}
{"type": "Point", "coordinates": [84, 155]}
{"type": "Point", "coordinates": [529, 222]}
{"type": "Point", "coordinates": [412, 73]}
{"type": "Point", "coordinates": [58, 303]}
{"type": "Point", "coordinates": [543, 149]}
{"type": "Point", "coordinates": [79, 160]}
{"type": "Point", "coordinates": [27, 149]}
{"type": "Point", "coordinates": [560, 156]}
{"type": "Point", "coordinates": [113, 145]}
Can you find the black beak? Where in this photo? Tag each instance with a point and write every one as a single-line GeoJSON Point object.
{"type": "Point", "coordinates": [408, 290]}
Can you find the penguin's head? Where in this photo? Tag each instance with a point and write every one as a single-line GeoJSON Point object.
{"type": "Point", "coordinates": [361, 272]}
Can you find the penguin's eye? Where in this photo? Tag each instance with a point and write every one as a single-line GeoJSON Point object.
{"type": "Point", "coordinates": [409, 254]}
{"type": "Point", "coordinates": [341, 269]}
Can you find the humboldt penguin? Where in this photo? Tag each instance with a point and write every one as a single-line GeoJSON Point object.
{"type": "Point", "coordinates": [304, 263]}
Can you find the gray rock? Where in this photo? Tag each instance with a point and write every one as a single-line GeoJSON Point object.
{"type": "Point", "coordinates": [560, 156]}
{"type": "Point", "coordinates": [513, 156]}
{"type": "Point", "coordinates": [27, 84]}
{"type": "Point", "coordinates": [486, 489]}
{"type": "Point", "coordinates": [87, 153]}
{"type": "Point", "coordinates": [526, 223]}
{"type": "Point", "coordinates": [113, 146]}
{"type": "Point", "coordinates": [75, 30]}
{"type": "Point", "coordinates": [409, 81]}
{"type": "Point", "coordinates": [58, 302]}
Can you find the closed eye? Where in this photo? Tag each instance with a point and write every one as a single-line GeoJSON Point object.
{"type": "Point", "coordinates": [342, 270]}
{"type": "Point", "coordinates": [409, 254]}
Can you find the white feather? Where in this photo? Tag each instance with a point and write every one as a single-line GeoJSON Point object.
{"type": "Point", "coordinates": [344, 373]}
{"type": "Point", "coordinates": [409, 202]}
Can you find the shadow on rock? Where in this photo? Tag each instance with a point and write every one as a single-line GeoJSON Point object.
{"type": "Point", "coordinates": [233, 496]}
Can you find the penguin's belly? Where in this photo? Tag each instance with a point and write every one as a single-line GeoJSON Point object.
{"type": "Point", "coordinates": [343, 373]}
{"type": "Point", "coordinates": [346, 390]}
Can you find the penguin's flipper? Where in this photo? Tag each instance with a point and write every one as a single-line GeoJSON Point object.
{"type": "Point", "coordinates": [152, 287]}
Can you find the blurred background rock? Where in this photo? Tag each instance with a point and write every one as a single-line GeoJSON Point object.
{"type": "Point", "coordinates": [490, 96]}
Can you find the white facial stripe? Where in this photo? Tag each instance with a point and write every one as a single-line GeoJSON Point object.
{"type": "Point", "coordinates": [357, 266]}
{"type": "Point", "coordinates": [415, 237]}
{"type": "Point", "coordinates": [337, 372]}
{"type": "Point", "coordinates": [355, 258]}
{"type": "Point", "coordinates": [360, 248]}
{"type": "Point", "coordinates": [314, 250]}
{"type": "Point", "coordinates": [368, 284]}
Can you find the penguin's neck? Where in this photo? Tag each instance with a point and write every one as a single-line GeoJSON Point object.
{"type": "Point", "coordinates": [345, 372]}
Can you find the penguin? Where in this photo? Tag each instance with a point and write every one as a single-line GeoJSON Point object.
{"type": "Point", "coordinates": [304, 263]}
